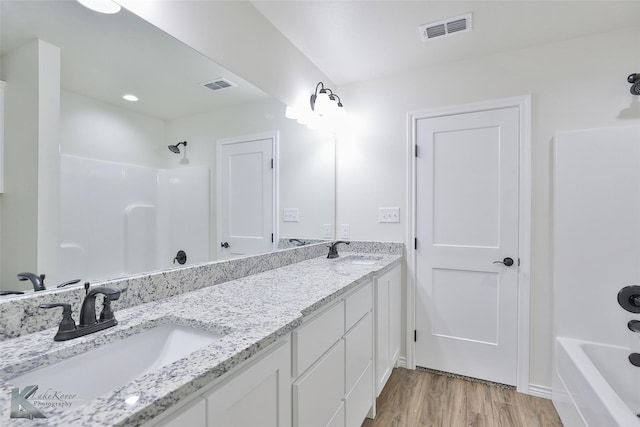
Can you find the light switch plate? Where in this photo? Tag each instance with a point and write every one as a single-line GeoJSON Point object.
{"type": "Point", "coordinates": [344, 231]}
{"type": "Point", "coordinates": [326, 231]}
{"type": "Point", "coordinates": [290, 215]}
{"type": "Point", "coordinates": [388, 214]}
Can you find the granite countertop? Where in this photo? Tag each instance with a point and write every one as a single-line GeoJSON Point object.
{"type": "Point", "coordinates": [251, 313]}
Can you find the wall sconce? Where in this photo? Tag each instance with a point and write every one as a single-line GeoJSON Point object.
{"type": "Point", "coordinates": [325, 102]}
{"type": "Point", "coordinates": [326, 113]}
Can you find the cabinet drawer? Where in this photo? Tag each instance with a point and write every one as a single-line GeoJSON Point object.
{"type": "Point", "coordinates": [193, 415]}
{"type": "Point", "coordinates": [318, 393]}
{"type": "Point", "coordinates": [312, 339]}
{"type": "Point", "coordinates": [359, 350]}
{"type": "Point", "coordinates": [338, 418]}
{"type": "Point", "coordinates": [358, 304]}
{"type": "Point", "coordinates": [360, 400]}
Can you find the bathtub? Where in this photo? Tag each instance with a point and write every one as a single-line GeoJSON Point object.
{"type": "Point", "coordinates": [595, 385]}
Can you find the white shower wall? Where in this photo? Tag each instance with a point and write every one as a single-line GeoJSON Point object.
{"type": "Point", "coordinates": [119, 219]}
{"type": "Point", "coordinates": [596, 232]}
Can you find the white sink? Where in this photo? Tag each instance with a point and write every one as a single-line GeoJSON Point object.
{"type": "Point", "coordinates": [361, 259]}
{"type": "Point", "coordinates": [106, 368]}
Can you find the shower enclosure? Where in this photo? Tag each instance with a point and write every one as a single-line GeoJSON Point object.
{"type": "Point", "coordinates": [596, 253]}
{"type": "Point", "coordinates": [119, 219]}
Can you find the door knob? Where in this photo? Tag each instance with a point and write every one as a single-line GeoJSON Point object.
{"type": "Point", "coordinates": [224, 245]}
{"type": "Point", "coordinates": [507, 261]}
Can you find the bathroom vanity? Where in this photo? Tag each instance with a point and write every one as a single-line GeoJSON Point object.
{"type": "Point", "coordinates": [308, 343]}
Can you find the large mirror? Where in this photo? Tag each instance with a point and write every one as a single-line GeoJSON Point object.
{"type": "Point", "coordinates": [92, 188]}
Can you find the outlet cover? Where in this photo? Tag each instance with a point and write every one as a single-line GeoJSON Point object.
{"type": "Point", "coordinates": [344, 231]}
{"type": "Point", "coordinates": [388, 214]}
{"type": "Point", "coordinates": [290, 215]}
{"type": "Point", "coordinates": [326, 231]}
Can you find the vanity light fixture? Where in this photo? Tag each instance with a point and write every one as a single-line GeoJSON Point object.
{"type": "Point", "coordinates": [325, 102]}
{"type": "Point", "coordinates": [130, 97]}
{"type": "Point", "coordinates": [102, 6]}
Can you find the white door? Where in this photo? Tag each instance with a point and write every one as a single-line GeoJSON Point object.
{"type": "Point", "coordinates": [466, 227]}
{"type": "Point", "coordinates": [246, 196]}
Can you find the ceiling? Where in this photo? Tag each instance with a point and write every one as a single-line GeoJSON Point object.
{"type": "Point", "coordinates": [106, 56]}
{"type": "Point", "coordinates": [361, 40]}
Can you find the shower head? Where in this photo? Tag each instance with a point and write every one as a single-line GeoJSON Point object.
{"type": "Point", "coordinates": [176, 148]}
{"type": "Point", "coordinates": [634, 79]}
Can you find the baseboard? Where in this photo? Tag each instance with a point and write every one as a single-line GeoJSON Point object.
{"type": "Point", "coordinates": [540, 391]}
{"type": "Point", "coordinates": [402, 362]}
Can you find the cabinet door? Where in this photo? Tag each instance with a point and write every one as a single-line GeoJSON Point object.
{"type": "Point", "coordinates": [383, 362]}
{"type": "Point", "coordinates": [192, 415]}
{"type": "Point", "coordinates": [395, 314]}
{"type": "Point", "coordinates": [259, 395]}
{"type": "Point", "coordinates": [387, 324]}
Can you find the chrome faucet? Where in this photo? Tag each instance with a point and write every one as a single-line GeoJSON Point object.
{"type": "Point", "coordinates": [89, 323]}
{"type": "Point", "coordinates": [333, 249]}
{"type": "Point", "coordinates": [36, 281]}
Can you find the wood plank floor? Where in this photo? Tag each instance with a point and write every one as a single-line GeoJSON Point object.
{"type": "Point", "coordinates": [422, 398]}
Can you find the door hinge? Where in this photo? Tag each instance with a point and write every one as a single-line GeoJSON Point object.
{"type": "Point", "coordinates": [415, 243]}
{"type": "Point", "coordinates": [271, 163]}
{"type": "Point", "coordinates": [416, 150]}
{"type": "Point", "coordinates": [271, 237]}
{"type": "Point", "coordinates": [518, 262]}
{"type": "Point", "coordinates": [415, 335]}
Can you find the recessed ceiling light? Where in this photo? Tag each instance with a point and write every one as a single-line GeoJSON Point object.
{"type": "Point", "coordinates": [130, 97]}
{"type": "Point", "coordinates": [102, 6]}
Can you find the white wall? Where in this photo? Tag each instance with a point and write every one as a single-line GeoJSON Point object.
{"type": "Point", "coordinates": [575, 84]}
{"type": "Point", "coordinates": [306, 159]}
{"type": "Point", "coordinates": [32, 73]}
{"type": "Point", "coordinates": [97, 130]}
{"type": "Point", "coordinates": [596, 233]}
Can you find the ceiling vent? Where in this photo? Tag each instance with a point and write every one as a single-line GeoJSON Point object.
{"type": "Point", "coordinates": [447, 27]}
{"type": "Point", "coordinates": [218, 84]}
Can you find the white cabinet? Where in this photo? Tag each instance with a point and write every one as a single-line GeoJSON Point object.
{"type": "Point", "coordinates": [193, 415]}
{"type": "Point", "coordinates": [316, 336]}
{"type": "Point", "coordinates": [336, 388]}
{"type": "Point", "coordinates": [322, 375]}
{"type": "Point", "coordinates": [259, 395]}
{"type": "Point", "coordinates": [318, 393]}
{"type": "Point", "coordinates": [387, 324]}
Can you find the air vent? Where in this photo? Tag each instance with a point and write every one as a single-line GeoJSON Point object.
{"type": "Point", "coordinates": [218, 84]}
{"type": "Point", "coordinates": [447, 27]}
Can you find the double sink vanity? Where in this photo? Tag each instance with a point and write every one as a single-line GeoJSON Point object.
{"type": "Point", "coordinates": [282, 339]}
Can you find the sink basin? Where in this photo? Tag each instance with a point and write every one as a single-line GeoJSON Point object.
{"type": "Point", "coordinates": [361, 259]}
{"type": "Point", "coordinates": [86, 376]}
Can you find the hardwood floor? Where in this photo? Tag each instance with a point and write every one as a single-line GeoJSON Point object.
{"type": "Point", "coordinates": [422, 398]}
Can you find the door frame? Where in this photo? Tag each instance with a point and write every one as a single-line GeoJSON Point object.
{"type": "Point", "coordinates": [274, 136]}
{"type": "Point", "coordinates": [523, 103]}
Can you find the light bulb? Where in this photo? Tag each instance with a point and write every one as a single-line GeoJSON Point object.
{"type": "Point", "coordinates": [323, 104]}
